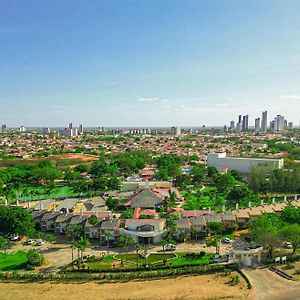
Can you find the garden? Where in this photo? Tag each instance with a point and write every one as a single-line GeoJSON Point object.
{"type": "Point", "coordinates": [134, 261]}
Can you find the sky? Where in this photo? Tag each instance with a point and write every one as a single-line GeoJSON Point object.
{"type": "Point", "coordinates": [148, 63]}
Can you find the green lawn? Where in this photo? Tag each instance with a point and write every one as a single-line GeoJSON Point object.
{"type": "Point", "coordinates": [41, 192]}
{"type": "Point", "coordinates": [152, 258]}
{"type": "Point", "coordinates": [13, 261]}
{"type": "Point", "coordinates": [131, 261]}
{"type": "Point", "coordinates": [182, 260]}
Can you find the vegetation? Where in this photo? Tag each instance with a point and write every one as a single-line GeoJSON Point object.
{"type": "Point", "coordinates": [13, 261]}
{"type": "Point", "coordinates": [15, 221]}
{"type": "Point", "coordinates": [34, 258]}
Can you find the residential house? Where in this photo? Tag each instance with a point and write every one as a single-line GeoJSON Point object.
{"type": "Point", "coordinates": [61, 223]}
{"type": "Point", "coordinates": [109, 227]}
{"type": "Point", "coordinates": [145, 231]}
{"type": "Point", "coordinates": [48, 221]}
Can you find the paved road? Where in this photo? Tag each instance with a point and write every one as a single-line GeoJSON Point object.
{"type": "Point", "coordinates": [267, 285]}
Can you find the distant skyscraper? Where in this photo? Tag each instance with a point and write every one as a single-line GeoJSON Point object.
{"type": "Point", "coordinates": [22, 129]}
{"type": "Point", "coordinates": [46, 130]}
{"type": "Point", "coordinates": [3, 128]}
{"type": "Point", "coordinates": [231, 124]}
{"type": "Point", "coordinates": [240, 119]}
{"type": "Point", "coordinates": [264, 122]}
{"type": "Point", "coordinates": [290, 125]}
{"type": "Point", "coordinates": [279, 123]}
{"type": "Point", "coordinates": [70, 125]}
{"type": "Point", "coordinates": [245, 123]}
{"type": "Point", "coordinates": [176, 131]}
{"type": "Point", "coordinates": [80, 131]}
{"type": "Point", "coordinates": [257, 125]}
{"type": "Point", "coordinates": [238, 127]}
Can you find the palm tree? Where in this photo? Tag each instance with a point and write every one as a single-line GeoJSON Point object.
{"type": "Point", "coordinates": [73, 246]}
{"type": "Point", "coordinates": [81, 245]}
{"type": "Point", "coordinates": [138, 248]}
{"type": "Point", "coordinates": [108, 235]}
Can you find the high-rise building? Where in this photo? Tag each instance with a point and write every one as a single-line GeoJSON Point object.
{"type": "Point", "coordinates": [46, 130]}
{"type": "Point", "coordinates": [279, 123]}
{"type": "Point", "coordinates": [290, 125]}
{"type": "Point", "coordinates": [231, 125]}
{"type": "Point", "coordinates": [176, 131]}
{"type": "Point", "coordinates": [70, 125]}
{"type": "Point", "coordinates": [3, 128]}
{"type": "Point", "coordinates": [257, 125]}
{"type": "Point", "coordinates": [245, 123]}
{"type": "Point", "coordinates": [22, 129]}
{"type": "Point", "coordinates": [238, 127]}
{"type": "Point", "coordinates": [68, 132]}
{"type": "Point", "coordinates": [80, 130]}
{"type": "Point", "coordinates": [240, 119]}
{"type": "Point", "coordinates": [264, 121]}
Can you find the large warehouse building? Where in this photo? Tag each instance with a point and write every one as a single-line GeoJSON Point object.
{"type": "Point", "coordinates": [241, 164]}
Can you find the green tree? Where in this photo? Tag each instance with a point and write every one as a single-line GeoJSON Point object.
{"type": "Point", "coordinates": [291, 233]}
{"type": "Point", "coordinates": [35, 258]}
{"type": "Point", "coordinates": [291, 215]}
{"type": "Point", "coordinates": [81, 245]}
{"type": "Point", "coordinates": [15, 221]}
{"type": "Point", "coordinates": [265, 230]}
{"type": "Point", "coordinates": [3, 244]}
{"type": "Point", "coordinates": [93, 220]}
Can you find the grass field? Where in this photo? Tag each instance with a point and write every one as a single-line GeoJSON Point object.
{"type": "Point", "coordinates": [40, 192]}
{"type": "Point", "coordinates": [61, 160]}
{"type": "Point", "coordinates": [13, 261]}
{"type": "Point", "coordinates": [132, 260]}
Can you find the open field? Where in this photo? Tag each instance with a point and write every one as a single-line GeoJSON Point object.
{"type": "Point", "coordinates": [61, 160]}
{"type": "Point", "coordinates": [193, 287]}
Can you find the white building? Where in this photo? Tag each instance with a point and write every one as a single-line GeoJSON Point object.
{"type": "Point", "coordinates": [279, 123]}
{"type": "Point", "coordinates": [68, 132]}
{"type": "Point", "coordinates": [241, 164]}
{"type": "Point", "coordinates": [176, 131]}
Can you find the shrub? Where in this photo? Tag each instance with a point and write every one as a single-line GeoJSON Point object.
{"type": "Point", "coordinates": [35, 258]}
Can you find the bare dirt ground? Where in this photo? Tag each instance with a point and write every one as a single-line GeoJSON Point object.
{"type": "Point", "coordinates": [269, 286]}
{"type": "Point", "coordinates": [194, 287]}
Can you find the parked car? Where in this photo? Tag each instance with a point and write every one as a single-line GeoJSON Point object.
{"type": "Point", "coordinates": [41, 243]}
{"type": "Point", "coordinates": [287, 245]}
{"type": "Point", "coordinates": [170, 247]}
{"type": "Point", "coordinates": [30, 242]}
{"type": "Point", "coordinates": [15, 238]}
{"type": "Point", "coordinates": [226, 241]}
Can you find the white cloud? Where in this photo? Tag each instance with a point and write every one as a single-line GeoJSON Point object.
{"type": "Point", "coordinates": [290, 97]}
{"type": "Point", "coordinates": [150, 99]}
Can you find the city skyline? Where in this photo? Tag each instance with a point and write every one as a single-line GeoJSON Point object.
{"type": "Point", "coordinates": [138, 63]}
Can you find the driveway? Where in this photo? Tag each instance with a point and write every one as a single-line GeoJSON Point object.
{"type": "Point", "coordinates": [267, 285]}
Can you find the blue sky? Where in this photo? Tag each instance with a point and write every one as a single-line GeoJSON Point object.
{"type": "Point", "coordinates": [147, 63]}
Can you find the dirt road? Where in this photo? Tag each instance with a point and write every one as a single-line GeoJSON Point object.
{"type": "Point", "coordinates": [269, 286]}
{"type": "Point", "coordinates": [190, 288]}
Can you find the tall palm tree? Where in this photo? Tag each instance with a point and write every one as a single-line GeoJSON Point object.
{"type": "Point", "coordinates": [81, 245]}
{"type": "Point", "coordinates": [108, 235]}
{"type": "Point", "coordinates": [138, 248]}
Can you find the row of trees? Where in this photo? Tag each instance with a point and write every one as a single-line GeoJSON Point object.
{"type": "Point", "coordinates": [278, 180]}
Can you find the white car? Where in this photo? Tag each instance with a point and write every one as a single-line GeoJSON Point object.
{"type": "Point", "coordinates": [30, 242]}
{"type": "Point", "coordinates": [288, 245]}
{"type": "Point", "coordinates": [226, 241]}
{"type": "Point", "coordinates": [15, 238]}
{"type": "Point", "coordinates": [170, 247]}
{"type": "Point", "coordinates": [41, 242]}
